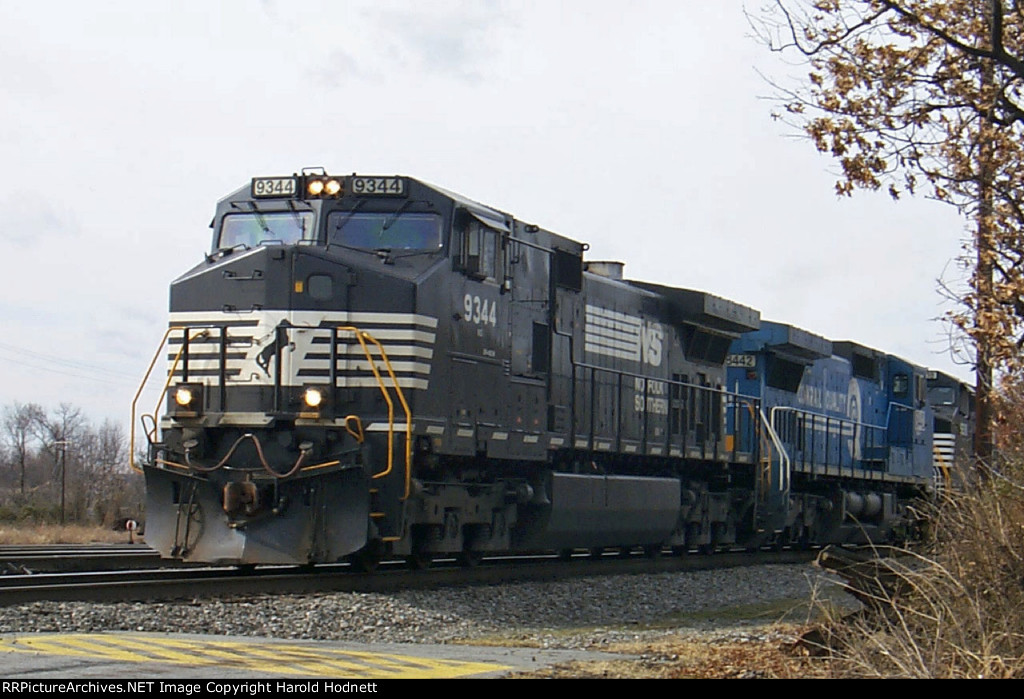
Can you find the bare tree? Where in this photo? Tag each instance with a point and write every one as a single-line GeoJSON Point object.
{"type": "Point", "coordinates": [19, 433]}
{"type": "Point", "coordinates": [61, 450]}
{"type": "Point", "coordinates": [100, 474]}
{"type": "Point", "coordinates": [59, 434]}
{"type": "Point", "coordinates": [912, 95]}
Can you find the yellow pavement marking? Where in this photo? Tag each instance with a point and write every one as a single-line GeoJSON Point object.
{"type": "Point", "coordinates": [266, 656]}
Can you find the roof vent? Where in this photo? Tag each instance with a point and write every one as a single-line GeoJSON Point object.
{"type": "Point", "coordinates": [605, 268]}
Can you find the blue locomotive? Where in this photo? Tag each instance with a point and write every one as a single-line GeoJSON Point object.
{"type": "Point", "coordinates": [851, 432]}
{"type": "Point", "coordinates": [368, 366]}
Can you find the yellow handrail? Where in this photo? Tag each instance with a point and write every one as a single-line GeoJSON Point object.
{"type": "Point", "coordinates": [363, 336]}
{"type": "Point", "coordinates": [947, 478]}
{"type": "Point", "coordinates": [357, 433]}
{"type": "Point", "coordinates": [764, 471]}
{"type": "Point", "coordinates": [142, 386]}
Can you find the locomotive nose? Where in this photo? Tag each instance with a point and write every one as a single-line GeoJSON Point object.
{"type": "Point", "coordinates": [240, 283]}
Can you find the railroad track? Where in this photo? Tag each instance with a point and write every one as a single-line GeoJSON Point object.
{"type": "Point", "coordinates": [77, 557]}
{"type": "Point", "coordinates": [191, 583]}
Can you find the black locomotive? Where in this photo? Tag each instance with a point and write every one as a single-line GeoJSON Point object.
{"type": "Point", "coordinates": [370, 366]}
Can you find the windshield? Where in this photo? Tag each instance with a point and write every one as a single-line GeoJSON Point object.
{"type": "Point", "coordinates": [379, 231]}
{"type": "Point", "coordinates": [941, 395]}
{"type": "Point", "coordinates": [255, 228]}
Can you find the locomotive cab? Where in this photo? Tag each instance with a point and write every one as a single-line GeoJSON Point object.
{"type": "Point", "coordinates": [327, 361]}
{"type": "Point", "coordinates": [295, 354]}
{"type": "Point", "coordinates": [952, 403]}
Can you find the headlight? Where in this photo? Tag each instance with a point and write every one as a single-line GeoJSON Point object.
{"type": "Point", "coordinates": [187, 400]}
{"type": "Point", "coordinates": [323, 186]}
{"type": "Point", "coordinates": [183, 396]}
{"type": "Point", "coordinates": [313, 397]}
{"type": "Point", "coordinates": [314, 403]}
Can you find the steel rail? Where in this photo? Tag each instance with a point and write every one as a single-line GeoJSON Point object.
{"type": "Point", "coordinates": [66, 558]}
{"type": "Point", "coordinates": [198, 583]}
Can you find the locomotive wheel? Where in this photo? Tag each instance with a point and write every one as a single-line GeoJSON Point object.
{"type": "Point", "coordinates": [470, 559]}
{"type": "Point", "coordinates": [420, 556]}
{"type": "Point", "coordinates": [565, 555]}
{"type": "Point", "coordinates": [652, 550]}
{"type": "Point", "coordinates": [366, 559]}
{"type": "Point", "coordinates": [419, 559]}
{"type": "Point", "coordinates": [597, 552]}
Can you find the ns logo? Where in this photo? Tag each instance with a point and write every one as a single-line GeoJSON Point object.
{"type": "Point", "coordinates": [651, 336]}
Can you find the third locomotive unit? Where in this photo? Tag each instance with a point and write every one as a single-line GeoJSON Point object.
{"type": "Point", "coordinates": [369, 366]}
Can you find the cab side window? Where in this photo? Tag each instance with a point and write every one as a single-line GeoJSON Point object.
{"type": "Point", "coordinates": [900, 385]}
{"type": "Point", "coordinates": [479, 250]}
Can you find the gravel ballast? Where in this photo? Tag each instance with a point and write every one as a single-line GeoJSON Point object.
{"type": "Point", "coordinates": [566, 614]}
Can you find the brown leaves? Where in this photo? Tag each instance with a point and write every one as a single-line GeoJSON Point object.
{"type": "Point", "coordinates": [898, 90]}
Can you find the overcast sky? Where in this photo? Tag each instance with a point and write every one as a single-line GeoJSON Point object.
{"type": "Point", "coordinates": [640, 128]}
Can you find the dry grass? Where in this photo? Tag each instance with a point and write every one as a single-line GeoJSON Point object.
{"type": "Point", "coordinates": [954, 611]}
{"type": "Point", "coordinates": [38, 534]}
{"type": "Point", "coordinates": [686, 658]}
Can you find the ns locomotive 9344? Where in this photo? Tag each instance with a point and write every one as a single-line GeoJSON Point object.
{"type": "Point", "coordinates": [369, 366]}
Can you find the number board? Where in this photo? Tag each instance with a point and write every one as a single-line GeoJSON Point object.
{"type": "Point", "coordinates": [747, 361]}
{"type": "Point", "coordinates": [390, 186]}
{"type": "Point", "coordinates": [263, 187]}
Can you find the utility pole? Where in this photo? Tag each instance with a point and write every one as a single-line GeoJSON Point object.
{"type": "Point", "coordinates": [63, 444]}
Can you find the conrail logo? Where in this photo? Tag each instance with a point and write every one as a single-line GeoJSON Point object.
{"type": "Point", "coordinates": [613, 334]}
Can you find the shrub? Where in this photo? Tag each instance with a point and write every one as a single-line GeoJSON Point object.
{"type": "Point", "coordinates": [954, 609]}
